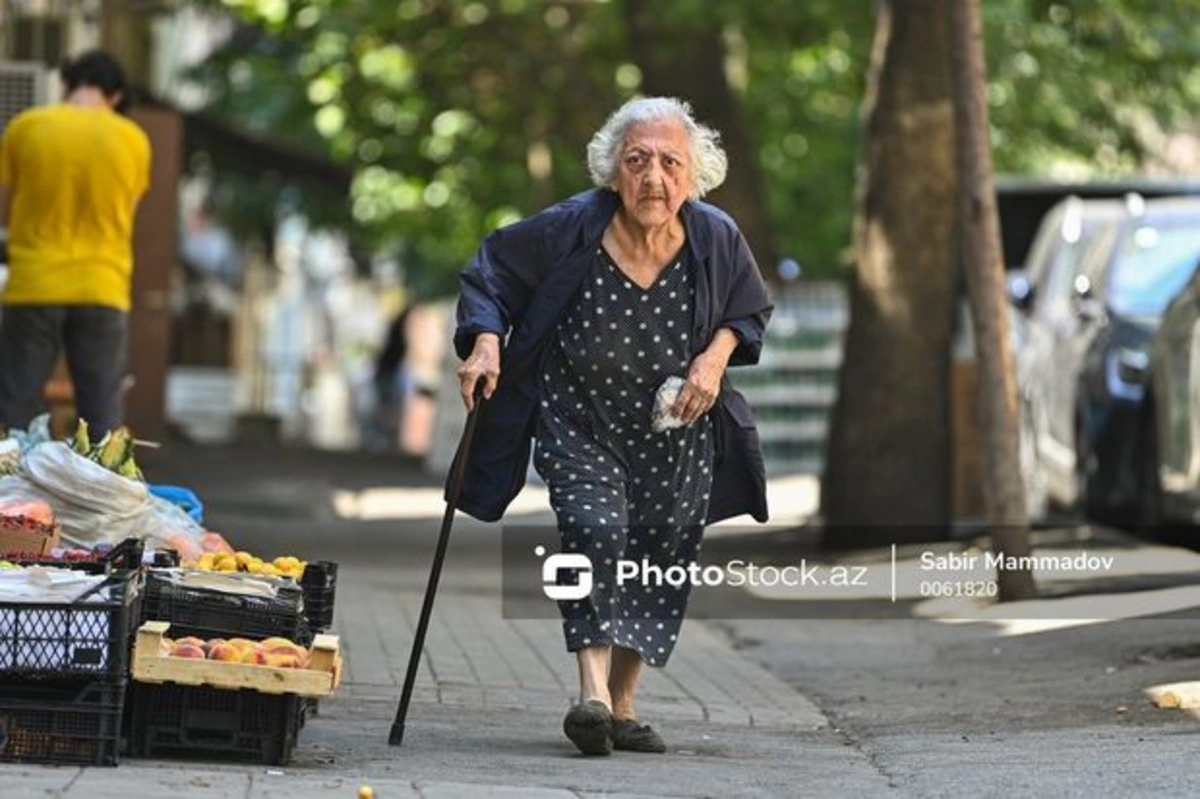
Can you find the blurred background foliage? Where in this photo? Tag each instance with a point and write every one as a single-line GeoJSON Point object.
{"type": "Point", "coordinates": [457, 116]}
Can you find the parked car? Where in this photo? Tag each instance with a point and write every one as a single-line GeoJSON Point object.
{"type": "Point", "coordinates": [1098, 291]}
{"type": "Point", "coordinates": [1037, 291]}
{"type": "Point", "coordinates": [1171, 450]}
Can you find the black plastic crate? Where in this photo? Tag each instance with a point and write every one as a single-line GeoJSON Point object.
{"type": "Point", "coordinates": [88, 637]}
{"type": "Point", "coordinates": [309, 706]}
{"type": "Point", "coordinates": [54, 721]}
{"type": "Point", "coordinates": [187, 721]}
{"type": "Point", "coordinates": [212, 613]}
{"type": "Point", "coordinates": [319, 583]}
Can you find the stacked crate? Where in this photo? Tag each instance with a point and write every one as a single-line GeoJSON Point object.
{"type": "Point", "coordinates": [169, 719]}
{"type": "Point", "coordinates": [63, 668]}
{"type": "Point", "coordinates": [319, 584]}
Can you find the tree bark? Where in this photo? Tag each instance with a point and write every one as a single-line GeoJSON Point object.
{"type": "Point", "coordinates": [888, 473]}
{"type": "Point", "coordinates": [983, 262]}
{"type": "Point", "coordinates": [692, 68]}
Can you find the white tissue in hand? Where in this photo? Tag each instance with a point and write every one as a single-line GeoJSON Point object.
{"type": "Point", "coordinates": [661, 417]}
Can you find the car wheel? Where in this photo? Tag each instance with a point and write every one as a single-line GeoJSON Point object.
{"type": "Point", "coordinates": [1151, 517]}
{"type": "Point", "coordinates": [1033, 474]}
{"type": "Point", "coordinates": [1086, 501]}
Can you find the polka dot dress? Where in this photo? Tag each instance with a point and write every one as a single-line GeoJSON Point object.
{"type": "Point", "coordinates": [620, 490]}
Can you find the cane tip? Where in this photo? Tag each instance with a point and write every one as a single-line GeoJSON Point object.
{"type": "Point", "coordinates": [397, 735]}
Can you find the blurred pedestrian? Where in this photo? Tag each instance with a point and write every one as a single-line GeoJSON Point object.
{"type": "Point", "coordinates": [572, 321]}
{"type": "Point", "coordinates": [392, 379]}
{"type": "Point", "coordinates": [71, 176]}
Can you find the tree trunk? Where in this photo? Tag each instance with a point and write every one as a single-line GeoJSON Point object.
{"type": "Point", "coordinates": [983, 262]}
{"type": "Point", "coordinates": [692, 68]}
{"type": "Point", "coordinates": [887, 476]}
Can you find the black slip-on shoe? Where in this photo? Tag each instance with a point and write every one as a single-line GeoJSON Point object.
{"type": "Point", "coordinates": [589, 726]}
{"type": "Point", "coordinates": [629, 736]}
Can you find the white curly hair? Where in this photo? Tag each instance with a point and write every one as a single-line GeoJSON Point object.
{"type": "Point", "coordinates": [709, 162]}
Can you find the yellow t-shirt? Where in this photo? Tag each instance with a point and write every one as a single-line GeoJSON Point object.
{"type": "Point", "coordinates": [75, 175]}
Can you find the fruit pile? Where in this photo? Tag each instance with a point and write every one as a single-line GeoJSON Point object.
{"type": "Point", "coordinates": [34, 515]}
{"type": "Point", "coordinates": [278, 652]}
{"type": "Point", "coordinates": [56, 557]}
{"type": "Point", "coordinates": [282, 566]}
{"type": "Point", "coordinates": [114, 452]}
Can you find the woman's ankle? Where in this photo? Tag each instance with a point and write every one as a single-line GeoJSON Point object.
{"type": "Point", "coordinates": [623, 710]}
{"type": "Point", "coordinates": [604, 698]}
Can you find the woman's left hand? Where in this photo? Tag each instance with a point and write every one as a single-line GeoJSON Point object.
{"type": "Point", "coordinates": [703, 385]}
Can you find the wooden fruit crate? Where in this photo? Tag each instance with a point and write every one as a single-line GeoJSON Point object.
{"type": "Point", "coordinates": [323, 675]}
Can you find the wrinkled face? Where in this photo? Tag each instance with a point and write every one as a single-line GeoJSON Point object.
{"type": "Point", "coordinates": [654, 173]}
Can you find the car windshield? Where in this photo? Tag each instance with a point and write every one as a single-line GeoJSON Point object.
{"type": "Point", "coordinates": [1153, 265]}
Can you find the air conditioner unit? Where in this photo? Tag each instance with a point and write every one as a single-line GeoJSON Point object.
{"type": "Point", "coordinates": [22, 85]}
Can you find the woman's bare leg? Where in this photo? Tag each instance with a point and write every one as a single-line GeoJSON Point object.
{"type": "Point", "coordinates": [627, 667]}
{"type": "Point", "coordinates": [593, 674]}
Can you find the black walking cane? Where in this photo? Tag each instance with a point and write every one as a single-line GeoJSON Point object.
{"type": "Point", "coordinates": [456, 482]}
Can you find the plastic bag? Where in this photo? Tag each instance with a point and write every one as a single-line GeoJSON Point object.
{"type": "Point", "coordinates": [661, 418]}
{"type": "Point", "coordinates": [38, 432]}
{"type": "Point", "coordinates": [56, 468]}
{"type": "Point", "coordinates": [93, 505]}
{"type": "Point", "coordinates": [181, 497]}
{"type": "Point", "coordinates": [96, 507]}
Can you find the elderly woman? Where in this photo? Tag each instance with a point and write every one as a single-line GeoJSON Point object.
{"type": "Point", "coordinates": [570, 322]}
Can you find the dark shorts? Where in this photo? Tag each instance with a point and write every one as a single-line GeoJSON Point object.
{"type": "Point", "coordinates": [94, 339]}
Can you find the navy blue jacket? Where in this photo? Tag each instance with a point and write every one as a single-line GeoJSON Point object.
{"type": "Point", "coordinates": [522, 280]}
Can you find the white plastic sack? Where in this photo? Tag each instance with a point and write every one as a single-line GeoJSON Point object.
{"type": "Point", "coordinates": [93, 504]}
{"type": "Point", "coordinates": [96, 506]}
{"type": "Point", "coordinates": [57, 468]}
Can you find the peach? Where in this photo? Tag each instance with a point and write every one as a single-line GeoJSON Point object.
{"type": "Point", "coordinates": [191, 640]}
{"type": "Point", "coordinates": [255, 657]}
{"type": "Point", "coordinates": [223, 650]}
{"type": "Point", "coordinates": [271, 643]}
{"type": "Point", "coordinates": [284, 646]}
{"type": "Point", "coordinates": [183, 650]}
{"type": "Point", "coordinates": [291, 653]}
{"type": "Point", "coordinates": [284, 660]}
{"type": "Point", "coordinates": [242, 644]}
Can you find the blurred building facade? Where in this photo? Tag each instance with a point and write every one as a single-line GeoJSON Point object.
{"type": "Point", "coordinates": [231, 337]}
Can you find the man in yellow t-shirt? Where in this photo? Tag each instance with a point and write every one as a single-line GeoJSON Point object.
{"type": "Point", "coordinates": [71, 176]}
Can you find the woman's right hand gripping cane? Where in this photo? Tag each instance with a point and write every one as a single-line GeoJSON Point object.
{"type": "Point", "coordinates": [482, 364]}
